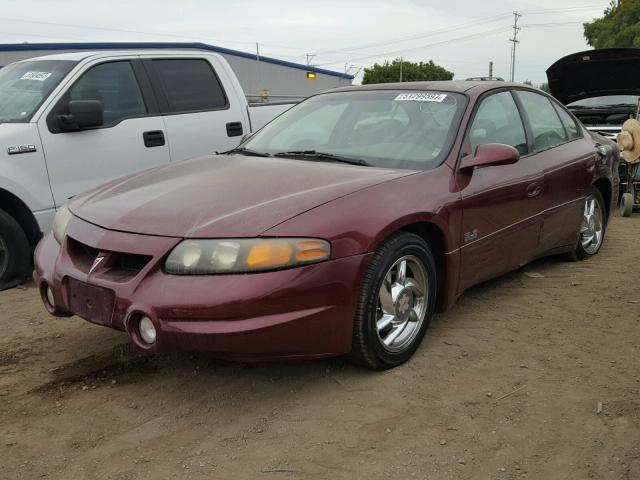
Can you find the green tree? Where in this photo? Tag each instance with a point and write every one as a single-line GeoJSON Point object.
{"type": "Point", "coordinates": [544, 87]}
{"type": "Point", "coordinates": [619, 27]}
{"type": "Point", "coordinates": [411, 72]}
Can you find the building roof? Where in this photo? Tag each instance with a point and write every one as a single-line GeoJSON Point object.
{"type": "Point", "coordinates": [17, 47]}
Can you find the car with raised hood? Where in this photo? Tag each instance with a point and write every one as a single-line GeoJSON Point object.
{"type": "Point", "coordinates": [601, 87]}
{"type": "Point", "coordinates": [339, 228]}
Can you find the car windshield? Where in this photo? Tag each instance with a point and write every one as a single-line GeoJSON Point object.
{"type": "Point", "coordinates": [383, 128]}
{"type": "Point", "coordinates": [606, 101]}
{"type": "Point", "coordinates": [25, 85]}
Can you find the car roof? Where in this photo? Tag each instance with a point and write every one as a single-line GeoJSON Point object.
{"type": "Point", "coordinates": [456, 86]}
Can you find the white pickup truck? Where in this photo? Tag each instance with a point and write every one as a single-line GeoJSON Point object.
{"type": "Point", "coordinates": [73, 121]}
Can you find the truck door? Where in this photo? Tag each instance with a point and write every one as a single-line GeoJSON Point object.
{"type": "Point", "coordinates": [201, 115]}
{"type": "Point", "coordinates": [131, 137]}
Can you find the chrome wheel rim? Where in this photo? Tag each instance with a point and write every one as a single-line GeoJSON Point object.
{"type": "Point", "coordinates": [4, 257]}
{"type": "Point", "coordinates": [402, 304]}
{"type": "Point", "coordinates": [592, 228]}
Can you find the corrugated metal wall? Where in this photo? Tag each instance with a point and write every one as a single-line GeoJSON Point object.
{"type": "Point", "coordinates": [254, 76]}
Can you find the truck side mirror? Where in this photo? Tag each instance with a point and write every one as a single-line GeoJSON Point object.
{"type": "Point", "coordinates": [82, 114]}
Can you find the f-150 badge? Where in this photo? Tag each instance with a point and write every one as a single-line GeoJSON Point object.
{"type": "Point", "coordinates": [21, 149]}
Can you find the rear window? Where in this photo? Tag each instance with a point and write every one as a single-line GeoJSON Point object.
{"type": "Point", "coordinates": [191, 85]}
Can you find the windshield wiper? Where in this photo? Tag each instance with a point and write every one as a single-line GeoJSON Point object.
{"type": "Point", "coordinates": [312, 154]}
{"type": "Point", "coordinates": [246, 151]}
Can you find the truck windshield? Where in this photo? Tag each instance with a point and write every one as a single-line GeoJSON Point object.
{"type": "Point", "coordinates": [25, 85]}
{"type": "Point", "coordinates": [383, 128]}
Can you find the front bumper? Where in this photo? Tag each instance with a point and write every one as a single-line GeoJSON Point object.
{"type": "Point", "coordinates": [300, 312]}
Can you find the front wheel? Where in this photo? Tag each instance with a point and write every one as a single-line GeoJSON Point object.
{"type": "Point", "coordinates": [592, 227]}
{"type": "Point", "coordinates": [396, 302]}
{"type": "Point", "coordinates": [14, 252]}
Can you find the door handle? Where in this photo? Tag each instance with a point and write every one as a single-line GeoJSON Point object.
{"type": "Point", "coordinates": [234, 129]}
{"type": "Point", "coordinates": [534, 189]}
{"type": "Point", "coordinates": [153, 138]}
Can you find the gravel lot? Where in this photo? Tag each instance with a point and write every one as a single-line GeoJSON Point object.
{"type": "Point", "coordinates": [525, 378]}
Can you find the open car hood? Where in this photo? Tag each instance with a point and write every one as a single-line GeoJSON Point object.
{"type": "Point", "coordinates": [594, 73]}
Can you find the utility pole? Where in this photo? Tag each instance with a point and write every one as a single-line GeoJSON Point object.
{"type": "Point", "coordinates": [490, 69]}
{"type": "Point", "coordinates": [515, 42]}
{"type": "Point", "coordinates": [310, 56]}
{"type": "Point", "coordinates": [401, 62]}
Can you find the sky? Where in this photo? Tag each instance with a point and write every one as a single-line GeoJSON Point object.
{"type": "Point", "coordinates": [343, 35]}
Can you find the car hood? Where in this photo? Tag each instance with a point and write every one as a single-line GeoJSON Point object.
{"type": "Point", "coordinates": [607, 71]}
{"type": "Point", "coordinates": [222, 195]}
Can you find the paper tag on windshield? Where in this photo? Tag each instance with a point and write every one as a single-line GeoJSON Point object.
{"type": "Point", "coordinates": [39, 76]}
{"type": "Point", "coordinates": [421, 97]}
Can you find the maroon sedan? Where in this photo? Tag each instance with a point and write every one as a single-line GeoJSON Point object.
{"type": "Point", "coordinates": [338, 228]}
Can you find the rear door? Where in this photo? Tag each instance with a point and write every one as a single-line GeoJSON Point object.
{"type": "Point", "coordinates": [80, 160]}
{"type": "Point", "coordinates": [565, 157]}
{"type": "Point", "coordinates": [501, 204]}
{"type": "Point", "coordinates": [200, 106]}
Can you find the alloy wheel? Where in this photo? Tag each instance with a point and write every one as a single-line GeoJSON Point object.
{"type": "Point", "coordinates": [402, 303]}
{"type": "Point", "coordinates": [592, 228]}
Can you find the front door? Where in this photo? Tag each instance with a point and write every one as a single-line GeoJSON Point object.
{"type": "Point", "coordinates": [501, 204]}
{"type": "Point", "coordinates": [132, 137]}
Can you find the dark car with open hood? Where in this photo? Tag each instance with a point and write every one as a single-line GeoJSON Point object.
{"type": "Point", "coordinates": [339, 228]}
{"type": "Point", "coordinates": [600, 87]}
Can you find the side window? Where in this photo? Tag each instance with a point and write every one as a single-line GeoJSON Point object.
{"type": "Point", "coordinates": [543, 120]}
{"type": "Point", "coordinates": [115, 85]}
{"type": "Point", "coordinates": [191, 85]}
{"type": "Point", "coordinates": [498, 121]}
{"type": "Point", "coordinates": [570, 125]}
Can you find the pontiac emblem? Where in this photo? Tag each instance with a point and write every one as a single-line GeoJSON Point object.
{"type": "Point", "coordinates": [96, 262]}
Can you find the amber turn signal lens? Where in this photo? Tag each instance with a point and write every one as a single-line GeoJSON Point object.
{"type": "Point", "coordinates": [311, 251]}
{"type": "Point", "coordinates": [269, 254]}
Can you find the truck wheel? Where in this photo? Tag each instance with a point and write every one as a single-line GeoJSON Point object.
{"type": "Point", "coordinates": [626, 204]}
{"type": "Point", "coordinates": [14, 252]}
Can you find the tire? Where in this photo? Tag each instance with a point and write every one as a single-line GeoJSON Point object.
{"type": "Point", "coordinates": [626, 204]}
{"type": "Point", "coordinates": [380, 341]}
{"type": "Point", "coordinates": [15, 256]}
{"type": "Point", "coordinates": [596, 230]}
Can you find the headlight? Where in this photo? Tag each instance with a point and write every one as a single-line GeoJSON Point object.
{"type": "Point", "coordinates": [200, 257]}
{"type": "Point", "coordinates": [60, 221]}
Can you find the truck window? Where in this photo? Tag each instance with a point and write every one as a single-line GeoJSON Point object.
{"type": "Point", "coordinates": [191, 85]}
{"type": "Point", "coordinates": [25, 85]}
{"type": "Point", "coordinates": [115, 85]}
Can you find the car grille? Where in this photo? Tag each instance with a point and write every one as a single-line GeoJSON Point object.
{"type": "Point", "coordinates": [117, 266]}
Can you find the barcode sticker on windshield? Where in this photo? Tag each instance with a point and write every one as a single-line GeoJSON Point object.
{"type": "Point", "coordinates": [39, 76]}
{"type": "Point", "coordinates": [421, 97]}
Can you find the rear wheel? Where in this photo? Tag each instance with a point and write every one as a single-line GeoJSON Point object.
{"type": "Point", "coordinates": [592, 227]}
{"type": "Point", "coordinates": [396, 302]}
{"type": "Point", "coordinates": [14, 252]}
{"type": "Point", "coordinates": [626, 204]}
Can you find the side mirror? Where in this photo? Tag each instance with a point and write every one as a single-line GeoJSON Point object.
{"type": "Point", "coordinates": [491, 154]}
{"type": "Point", "coordinates": [82, 114]}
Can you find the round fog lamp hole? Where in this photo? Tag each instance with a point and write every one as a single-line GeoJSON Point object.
{"type": "Point", "coordinates": [147, 330]}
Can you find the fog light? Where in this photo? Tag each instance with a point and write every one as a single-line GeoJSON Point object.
{"type": "Point", "coordinates": [50, 299]}
{"type": "Point", "coordinates": [147, 330]}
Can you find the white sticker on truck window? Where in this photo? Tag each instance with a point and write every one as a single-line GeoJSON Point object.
{"type": "Point", "coordinates": [421, 97]}
{"type": "Point", "coordinates": [39, 76]}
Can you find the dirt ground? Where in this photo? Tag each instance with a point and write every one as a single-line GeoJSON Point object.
{"type": "Point", "coordinates": [526, 377]}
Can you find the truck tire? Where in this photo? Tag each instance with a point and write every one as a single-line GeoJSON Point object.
{"type": "Point", "coordinates": [626, 204]}
{"type": "Point", "coordinates": [14, 252]}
